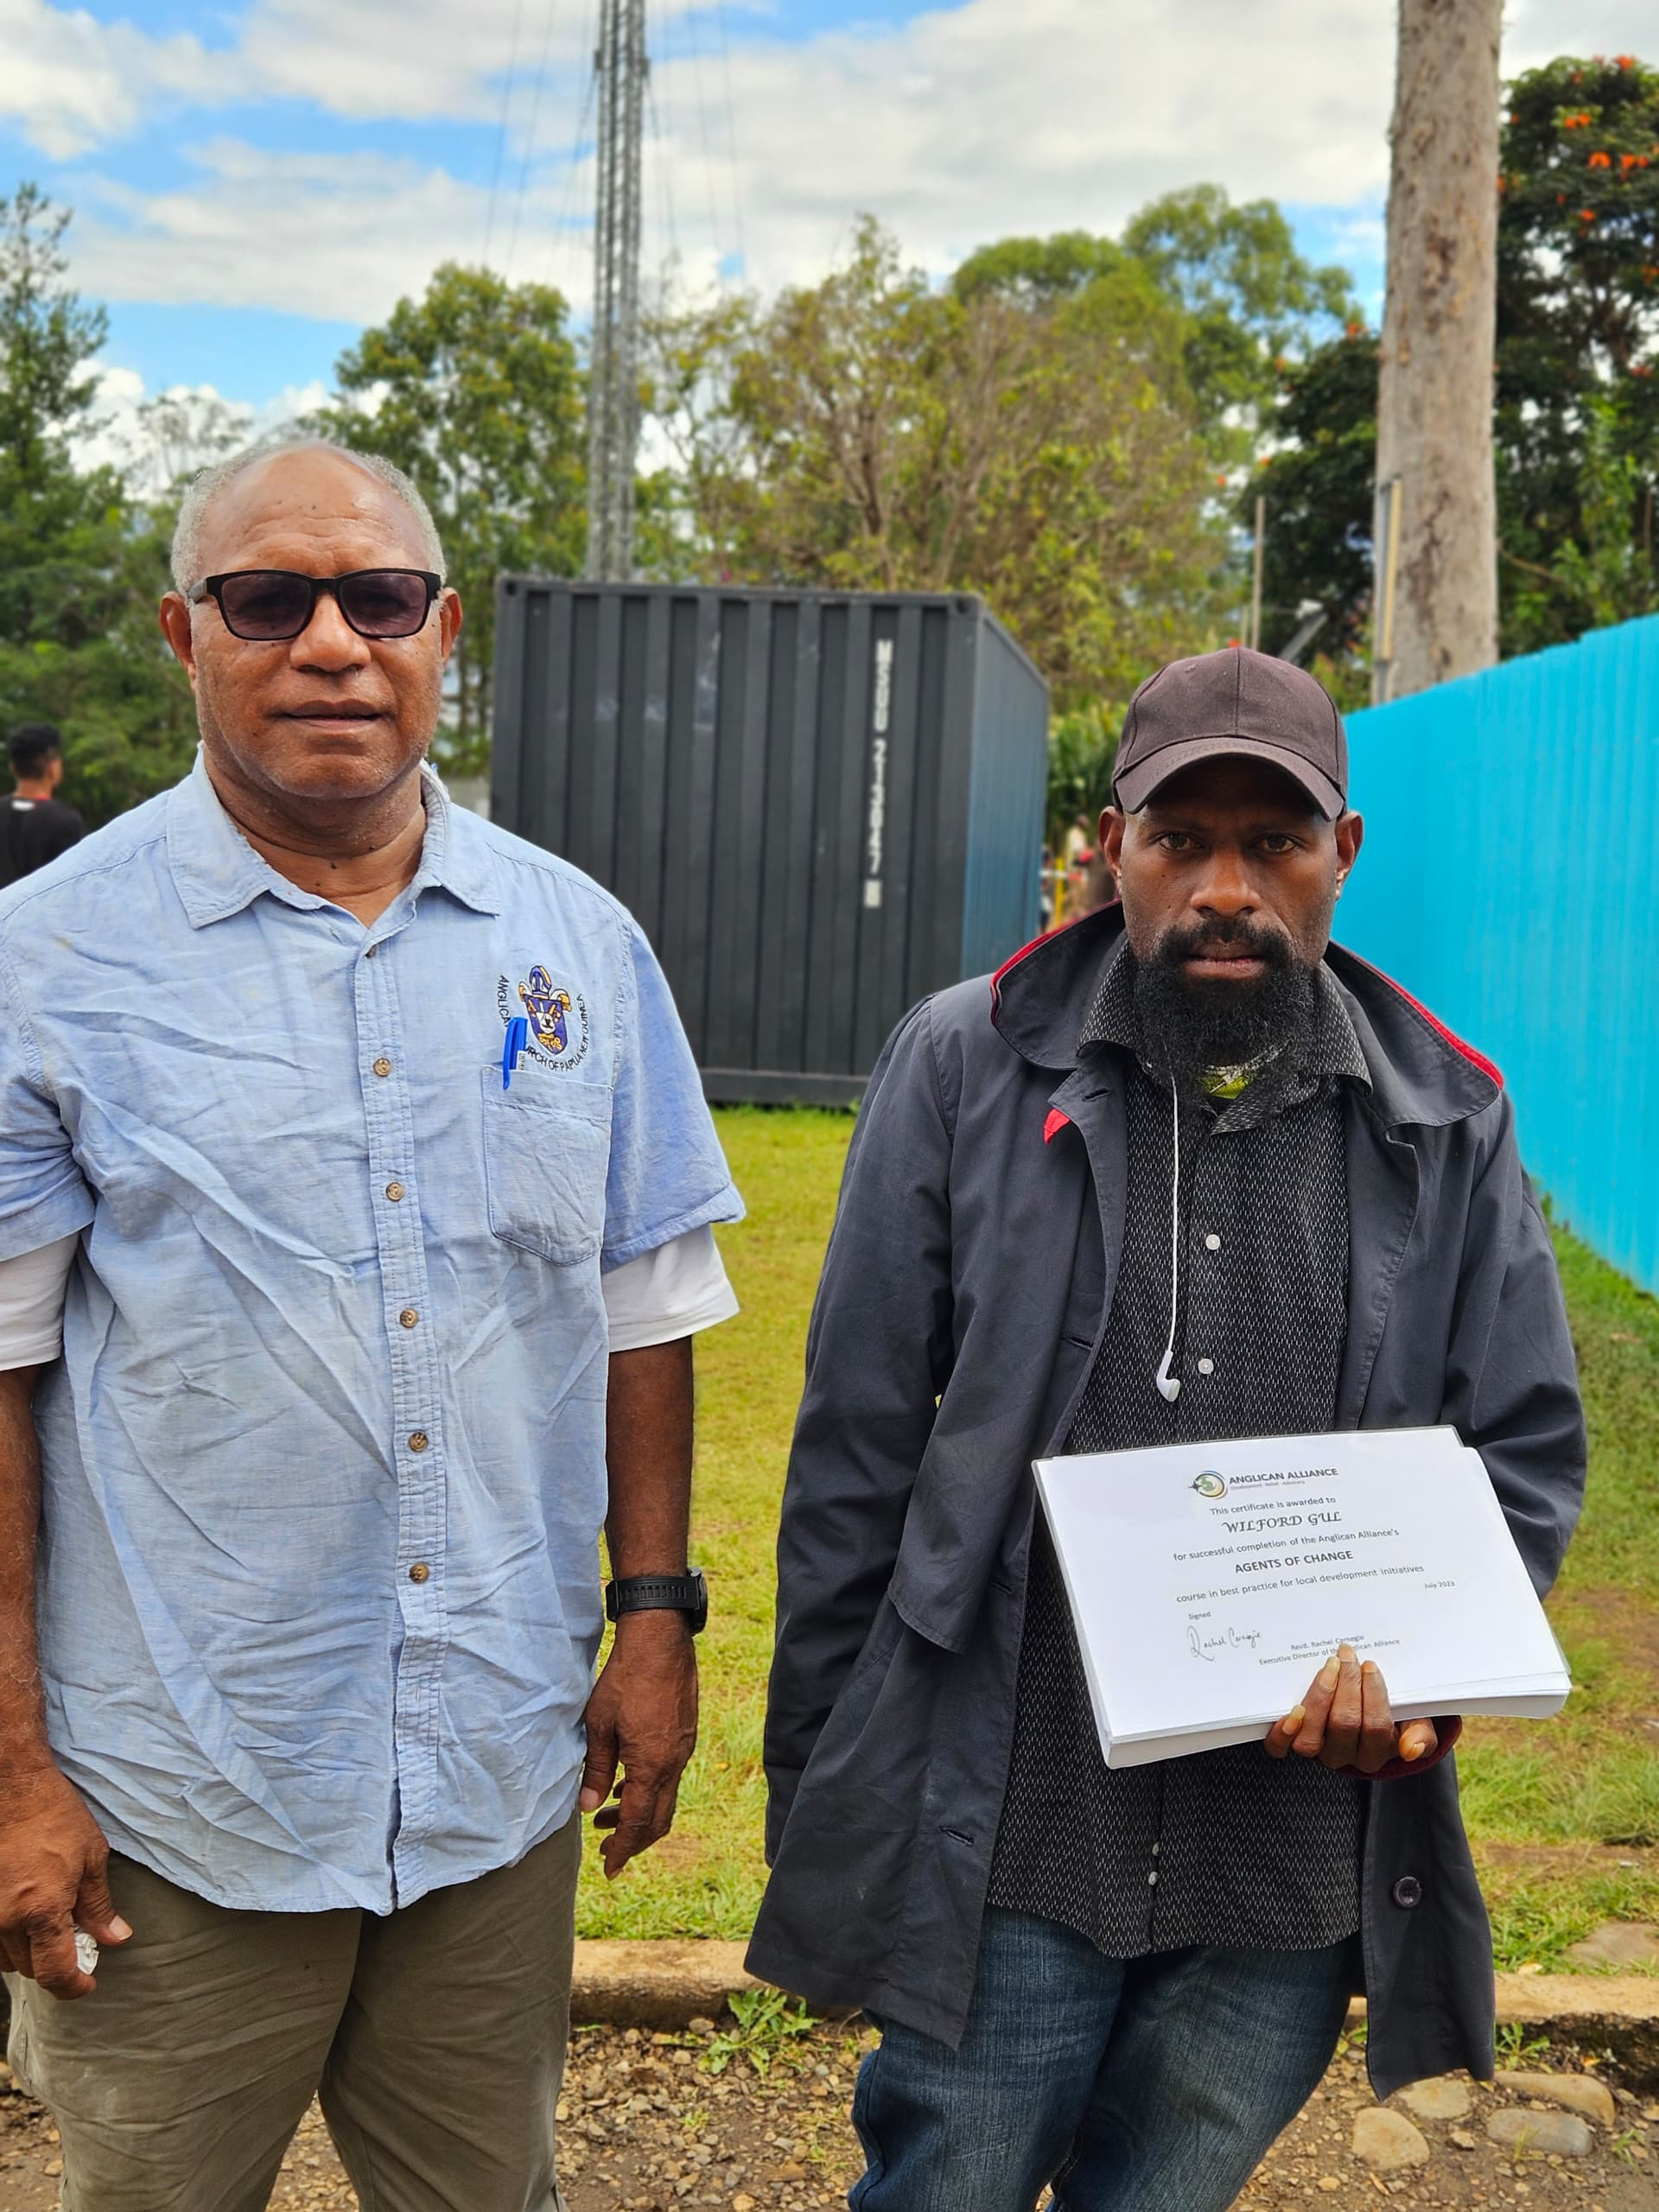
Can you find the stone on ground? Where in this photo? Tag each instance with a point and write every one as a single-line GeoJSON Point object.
{"type": "Point", "coordinates": [1618, 1943]}
{"type": "Point", "coordinates": [1443, 2098]}
{"type": "Point", "coordinates": [1579, 2093]}
{"type": "Point", "coordinates": [1561, 2134]}
{"type": "Point", "coordinates": [1386, 2141]}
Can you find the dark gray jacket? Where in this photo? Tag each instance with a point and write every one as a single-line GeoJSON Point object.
{"type": "Point", "coordinates": [964, 1296]}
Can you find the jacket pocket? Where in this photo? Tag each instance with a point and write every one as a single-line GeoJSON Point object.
{"type": "Point", "coordinates": [545, 1163]}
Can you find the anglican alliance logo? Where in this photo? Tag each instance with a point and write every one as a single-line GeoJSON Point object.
{"type": "Point", "coordinates": [1210, 1484]}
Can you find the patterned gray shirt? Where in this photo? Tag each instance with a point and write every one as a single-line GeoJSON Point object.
{"type": "Point", "coordinates": [1226, 1848]}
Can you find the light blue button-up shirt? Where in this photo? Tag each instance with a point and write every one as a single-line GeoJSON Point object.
{"type": "Point", "coordinates": [324, 1459]}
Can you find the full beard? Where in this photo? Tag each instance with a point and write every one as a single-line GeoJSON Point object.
{"type": "Point", "coordinates": [1191, 1025]}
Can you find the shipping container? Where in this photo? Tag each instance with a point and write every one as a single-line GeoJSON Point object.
{"type": "Point", "coordinates": [819, 807]}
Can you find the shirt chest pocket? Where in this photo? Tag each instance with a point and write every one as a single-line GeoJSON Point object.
{"type": "Point", "coordinates": [545, 1164]}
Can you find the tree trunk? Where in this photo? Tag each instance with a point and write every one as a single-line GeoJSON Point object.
{"type": "Point", "coordinates": [1435, 399]}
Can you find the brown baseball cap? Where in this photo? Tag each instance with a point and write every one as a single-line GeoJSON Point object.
{"type": "Point", "coordinates": [1234, 700]}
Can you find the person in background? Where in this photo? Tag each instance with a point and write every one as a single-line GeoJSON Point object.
{"type": "Point", "coordinates": [1097, 887]}
{"type": "Point", "coordinates": [356, 1194]}
{"type": "Point", "coordinates": [36, 826]}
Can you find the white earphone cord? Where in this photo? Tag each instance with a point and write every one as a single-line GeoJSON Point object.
{"type": "Point", "coordinates": [1169, 1386]}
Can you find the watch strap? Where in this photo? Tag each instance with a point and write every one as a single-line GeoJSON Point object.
{"type": "Point", "coordinates": [685, 1594]}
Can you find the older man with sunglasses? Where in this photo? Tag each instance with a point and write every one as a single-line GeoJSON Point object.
{"type": "Point", "coordinates": [356, 1189]}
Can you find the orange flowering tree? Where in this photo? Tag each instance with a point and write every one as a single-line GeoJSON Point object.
{"type": "Point", "coordinates": [1578, 346]}
{"type": "Point", "coordinates": [1577, 386]}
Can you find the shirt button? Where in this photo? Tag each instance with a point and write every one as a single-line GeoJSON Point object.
{"type": "Point", "coordinates": [1206, 1367]}
{"type": "Point", "coordinates": [1152, 1878]}
{"type": "Point", "coordinates": [409, 1317]}
{"type": "Point", "coordinates": [1408, 1891]}
{"type": "Point", "coordinates": [420, 1571]}
{"type": "Point", "coordinates": [1156, 1848]}
{"type": "Point", "coordinates": [1212, 1243]}
{"type": "Point", "coordinates": [369, 955]}
{"type": "Point", "coordinates": [383, 1066]}
{"type": "Point", "coordinates": [419, 1441]}
{"type": "Point", "coordinates": [394, 1191]}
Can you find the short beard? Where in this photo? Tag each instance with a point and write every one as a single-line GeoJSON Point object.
{"type": "Point", "coordinates": [1192, 1025]}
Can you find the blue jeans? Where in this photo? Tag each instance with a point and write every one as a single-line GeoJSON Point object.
{"type": "Point", "coordinates": [1149, 2085]}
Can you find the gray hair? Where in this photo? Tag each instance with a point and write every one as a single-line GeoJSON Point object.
{"type": "Point", "coordinates": [205, 489]}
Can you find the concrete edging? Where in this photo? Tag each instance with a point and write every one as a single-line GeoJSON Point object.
{"type": "Point", "coordinates": [659, 1983]}
{"type": "Point", "coordinates": [666, 1985]}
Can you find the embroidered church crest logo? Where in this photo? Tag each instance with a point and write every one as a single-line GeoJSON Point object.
{"type": "Point", "coordinates": [547, 1005]}
{"type": "Point", "coordinates": [556, 1014]}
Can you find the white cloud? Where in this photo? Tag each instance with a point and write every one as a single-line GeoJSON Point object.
{"type": "Point", "coordinates": [1003, 116]}
{"type": "Point", "coordinates": [417, 58]}
{"type": "Point", "coordinates": [71, 82]}
{"type": "Point", "coordinates": [288, 405]}
{"type": "Point", "coordinates": [966, 123]}
{"type": "Point", "coordinates": [961, 125]}
{"type": "Point", "coordinates": [1200, 80]}
{"type": "Point", "coordinates": [1536, 31]}
{"type": "Point", "coordinates": [407, 59]}
{"type": "Point", "coordinates": [333, 235]}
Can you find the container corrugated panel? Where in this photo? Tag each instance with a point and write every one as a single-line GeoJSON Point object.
{"type": "Point", "coordinates": [820, 808]}
{"type": "Point", "coordinates": [1507, 880]}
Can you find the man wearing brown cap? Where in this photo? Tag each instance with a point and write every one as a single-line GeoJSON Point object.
{"type": "Point", "coordinates": [1194, 1174]}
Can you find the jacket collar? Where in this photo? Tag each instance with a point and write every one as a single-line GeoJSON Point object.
{"type": "Point", "coordinates": [1421, 1074]}
{"type": "Point", "coordinates": [218, 872]}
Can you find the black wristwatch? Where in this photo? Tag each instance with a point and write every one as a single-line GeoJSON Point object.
{"type": "Point", "coordinates": [686, 1593]}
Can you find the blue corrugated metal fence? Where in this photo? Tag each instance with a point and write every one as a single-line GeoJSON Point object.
{"type": "Point", "coordinates": [1508, 881]}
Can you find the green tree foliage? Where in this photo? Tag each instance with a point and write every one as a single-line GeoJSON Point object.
{"type": "Point", "coordinates": [475, 390]}
{"type": "Point", "coordinates": [1225, 299]}
{"type": "Point", "coordinates": [1252, 302]}
{"type": "Point", "coordinates": [1035, 272]}
{"type": "Point", "coordinates": [81, 569]}
{"type": "Point", "coordinates": [1082, 751]}
{"type": "Point", "coordinates": [1074, 273]}
{"type": "Point", "coordinates": [1319, 488]}
{"type": "Point", "coordinates": [1576, 424]}
{"type": "Point", "coordinates": [1226, 310]}
{"type": "Point", "coordinates": [872, 433]}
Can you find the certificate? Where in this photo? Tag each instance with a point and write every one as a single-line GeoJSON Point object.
{"type": "Point", "coordinates": [1209, 1582]}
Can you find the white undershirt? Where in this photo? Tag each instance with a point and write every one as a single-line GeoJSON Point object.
{"type": "Point", "coordinates": [676, 1290]}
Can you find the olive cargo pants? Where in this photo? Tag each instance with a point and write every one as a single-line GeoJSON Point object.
{"type": "Point", "coordinates": [434, 2039]}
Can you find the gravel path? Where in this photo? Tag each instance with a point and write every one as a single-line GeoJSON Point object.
{"type": "Point", "coordinates": [649, 2127]}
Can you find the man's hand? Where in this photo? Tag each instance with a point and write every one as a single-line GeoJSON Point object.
{"type": "Point", "coordinates": [1345, 1720]}
{"type": "Point", "coordinates": [53, 1878]}
{"type": "Point", "coordinates": [643, 1718]}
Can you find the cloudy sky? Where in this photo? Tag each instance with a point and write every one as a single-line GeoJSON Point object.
{"type": "Point", "coordinates": [254, 181]}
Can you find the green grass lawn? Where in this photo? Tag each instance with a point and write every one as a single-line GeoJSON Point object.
{"type": "Point", "coordinates": [1565, 1813]}
{"type": "Point", "coordinates": [705, 1878]}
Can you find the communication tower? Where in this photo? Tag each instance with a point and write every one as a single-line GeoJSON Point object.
{"type": "Point", "coordinates": [613, 382]}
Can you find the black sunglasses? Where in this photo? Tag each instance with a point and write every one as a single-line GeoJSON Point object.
{"type": "Point", "coordinates": [266, 605]}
